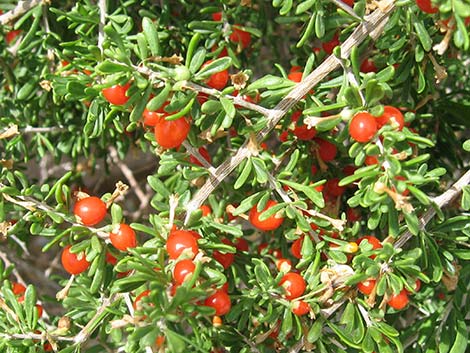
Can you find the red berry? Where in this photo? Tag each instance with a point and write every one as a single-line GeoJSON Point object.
{"type": "Point", "coordinates": [206, 210]}
{"type": "Point", "coordinates": [224, 259]}
{"type": "Point", "coordinates": [399, 301]}
{"type": "Point", "coordinates": [180, 240]}
{"type": "Point", "coordinates": [182, 270]}
{"type": "Point", "coordinates": [12, 35]}
{"type": "Point", "coordinates": [371, 160]}
{"type": "Point", "coordinates": [204, 152]}
{"type": "Point", "coordinates": [270, 223]}
{"type": "Point", "coordinates": [240, 36]}
{"type": "Point", "coordinates": [391, 115]}
{"type": "Point", "coordinates": [74, 263]}
{"type": "Point", "coordinates": [376, 244]}
{"type": "Point", "coordinates": [123, 237]}
{"type": "Point", "coordinates": [293, 284]}
{"type": "Point", "coordinates": [137, 300]}
{"type": "Point", "coordinates": [116, 94]}
{"type": "Point", "coordinates": [332, 187]}
{"type": "Point", "coordinates": [353, 215]}
{"type": "Point", "coordinates": [330, 45]}
{"type": "Point", "coordinates": [302, 131]}
{"type": "Point", "coordinates": [368, 66]}
{"type": "Point", "coordinates": [296, 248]}
{"type": "Point", "coordinates": [426, 6]}
{"type": "Point", "coordinates": [217, 16]}
{"type": "Point", "coordinates": [18, 288]}
{"type": "Point", "coordinates": [349, 2]}
{"type": "Point", "coordinates": [218, 80]}
{"type": "Point", "coordinates": [171, 133]}
{"type": "Point", "coordinates": [220, 301]}
{"type": "Point", "coordinates": [110, 259]}
{"type": "Point", "coordinates": [241, 244]}
{"type": "Point", "coordinates": [295, 76]}
{"type": "Point", "coordinates": [326, 149]}
{"type": "Point", "coordinates": [362, 127]}
{"type": "Point", "coordinates": [300, 308]}
{"type": "Point", "coordinates": [40, 310]}
{"type": "Point", "coordinates": [151, 118]}
{"type": "Point", "coordinates": [295, 68]}
{"type": "Point", "coordinates": [366, 287]}
{"type": "Point", "coordinates": [90, 210]}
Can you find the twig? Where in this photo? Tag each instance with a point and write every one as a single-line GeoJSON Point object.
{"type": "Point", "coordinates": [371, 27]}
{"type": "Point", "coordinates": [32, 204]}
{"type": "Point", "coordinates": [238, 100]}
{"type": "Point", "coordinates": [194, 152]}
{"type": "Point", "coordinates": [33, 130]}
{"type": "Point", "coordinates": [253, 347]}
{"type": "Point", "coordinates": [439, 202]}
{"type": "Point", "coordinates": [21, 8]}
{"type": "Point", "coordinates": [35, 336]}
{"type": "Point", "coordinates": [103, 9]}
{"type": "Point", "coordinates": [85, 333]}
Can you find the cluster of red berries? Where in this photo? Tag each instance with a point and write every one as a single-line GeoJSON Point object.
{"type": "Point", "coordinates": [363, 125]}
{"type": "Point", "coordinates": [90, 211]}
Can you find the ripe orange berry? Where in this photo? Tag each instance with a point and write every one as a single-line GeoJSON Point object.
{"type": "Point", "coordinates": [74, 263]}
{"type": "Point", "coordinates": [399, 301]}
{"type": "Point", "coordinates": [270, 223]}
{"type": "Point", "coordinates": [123, 237]}
{"type": "Point", "coordinates": [91, 210]}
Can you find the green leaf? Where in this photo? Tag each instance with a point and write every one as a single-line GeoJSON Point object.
{"type": "Point", "coordinates": [304, 6]}
{"type": "Point", "coordinates": [228, 106]}
{"type": "Point", "coordinates": [461, 336]}
{"type": "Point", "coordinates": [213, 67]}
{"type": "Point", "coordinates": [315, 331]}
{"type": "Point", "coordinates": [422, 34]}
{"type": "Point", "coordinates": [269, 81]}
{"type": "Point", "coordinates": [466, 198]}
{"type": "Point", "coordinates": [244, 174]}
{"type": "Point", "coordinates": [309, 191]}
{"type": "Point", "coordinates": [260, 170]}
{"type": "Point", "coordinates": [108, 67]}
{"type": "Point", "coordinates": [176, 343]}
{"type": "Point", "coordinates": [157, 101]}
{"type": "Point", "coordinates": [151, 35]}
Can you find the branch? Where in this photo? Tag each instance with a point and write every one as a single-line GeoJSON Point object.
{"type": "Point", "coordinates": [103, 9]}
{"type": "Point", "coordinates": [238, 100]}
{"type": "Point", "coordinates": [21, 8]}
{"type": "Point", "coordinates": [86, 332]}
{"type": "Point", "coordinates": [35, 336]}
{"type": "Point", "coordinates": [439, 202]}
{"type": "Point", "coordinates": [372, 26]}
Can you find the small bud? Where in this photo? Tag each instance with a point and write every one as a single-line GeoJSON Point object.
{"type": "Point", "coordinates": [216, 321]}
{"type": "Point", "coordinates": [380, 187]}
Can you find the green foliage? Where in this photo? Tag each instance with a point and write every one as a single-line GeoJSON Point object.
{"type": "Point", "coordinates": [59, 133]}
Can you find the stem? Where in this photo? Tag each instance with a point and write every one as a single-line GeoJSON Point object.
{"type": "Point", "coordinates": [439, 202]}
{"type": "Point", "coordinates": [21, 8]}
{"type": "Point", "coordinates": [103, 9]}
{"type": "Point", "coordinates": [86, 332]}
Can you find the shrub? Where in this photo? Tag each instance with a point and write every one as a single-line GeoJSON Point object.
{"type": "Point", "coordinates": [224, 176]}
